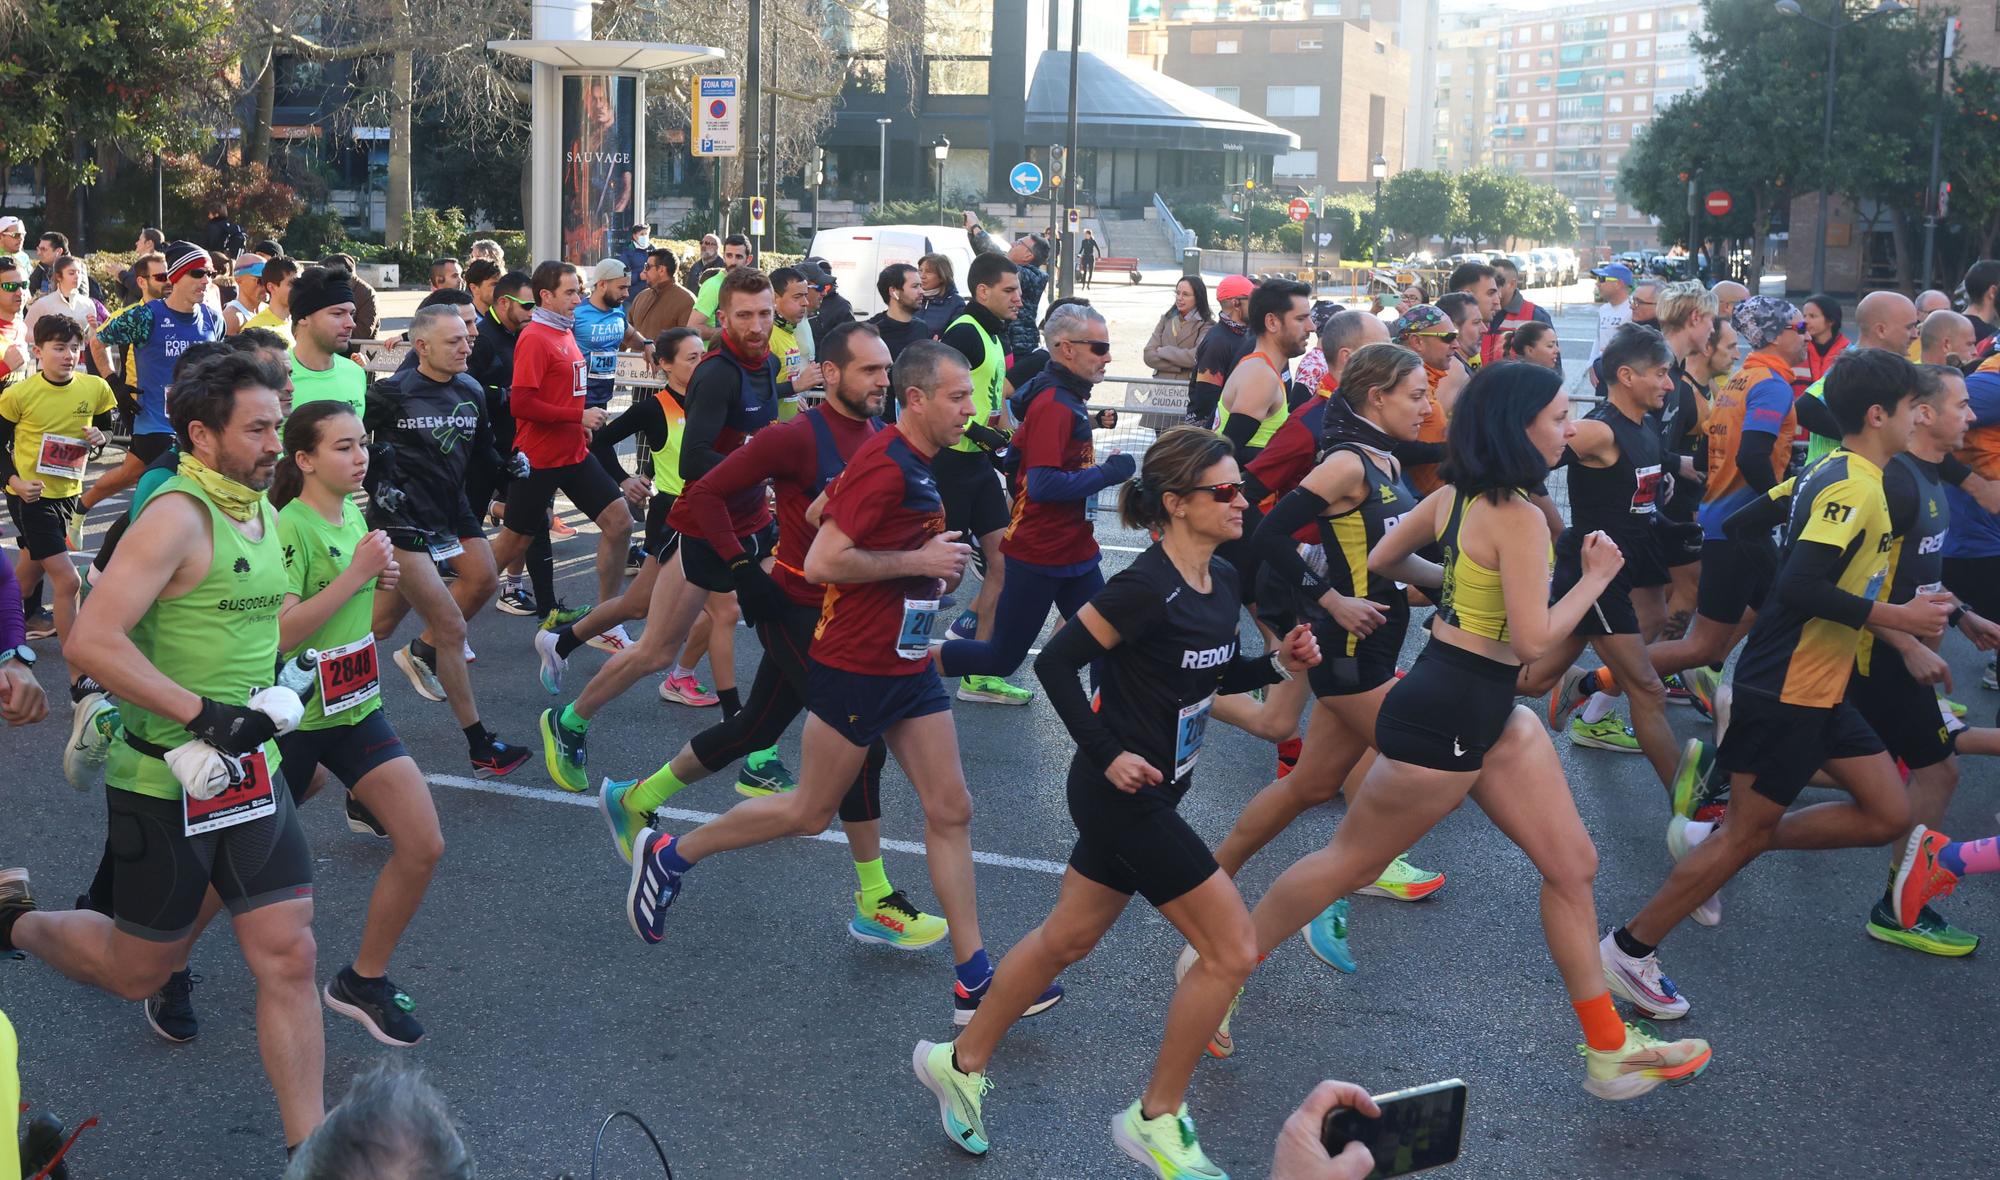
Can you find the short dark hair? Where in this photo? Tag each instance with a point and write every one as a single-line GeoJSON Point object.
{"type": "Point", "coordinates": [481, 270]}
{"type": "Point", "coordinates": [511, 283]}
{"type": "Point", "coordinates": [740, 280]}
{"type": "Point", "coordinates": [56, 326]}
{"type": "Point", "coordinates": [920, 364]}
{"type": "Point", "coordinates": [1506, 264]}
{"type": "Point", "coordinates": [1935, 379]}
{"type": "Point", "coordinates": [154, 236]}
{"type": "Point", "coordinates": [438, 264]}
{"type": "Point", "coordinates": [548, 276]}
{"type": "Point", "coordinates": [1829, 308]}
{"type": "Point", "coordinates": [9, 262]}
{"type": "Point", "coordinates": [1636, 345]}
{"type": "Point", "coordinates": [1467, 273]}
{"type": "Point", "coordinates": [58, 240]}
{"type": "Point", "coordinates": [206, 391]}
{"type": "Point", "coordinates": [276, 270]}
{"type": "Point", "coordinates": [447, 297]}
{"type": "Point", "coordinates": [1980, 278]}
{"type": "Point", "coordinates": [268, 247]}
{"type": "Point", "coordinates": [1866, 377]}
{"type": "Point", "coordinates": [1273, 297]}
{"type": "Point", "coordinates": [988, 269]}
{"type": "Point", "coordinates": [892, 277]}
{"type": "Point", "coordinates": [737, 240]}
{"type": "Point", "coordinates": [662, 257]}
{"type": "Point", "coordinates": [838, 346]}
{"type": "Point", "coordinates": [782, 279]}
{"type": "Point", "coordinates": [1455, 304]}
{"type": "Point", "coordinates": [1487, 452]}
{"type": "Point", "coordinates": [259, 340]}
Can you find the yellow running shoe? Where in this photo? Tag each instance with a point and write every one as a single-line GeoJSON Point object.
{"type": "Point", "coordinates": [1642, 1063]}
{"type": "Point", "coordinates": [1166, 1144]}
{"type": "Point", "coordinates": [1403, 881]}
{"type": "Point", "coordinates": [893, 921]}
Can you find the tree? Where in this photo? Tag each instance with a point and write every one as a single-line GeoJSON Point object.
{"type": "Point", "coordinates": [1496, 204]}
{"type": "Point", "coordinates": [1972, 124]}
{"type": "Point", "coordinates": [1423, 204]}
{"type": "Point", "coordinates": [84, 79]}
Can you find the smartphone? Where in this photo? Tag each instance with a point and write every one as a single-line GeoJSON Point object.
{"type": "Point", "coordinates": [1419, 1129]}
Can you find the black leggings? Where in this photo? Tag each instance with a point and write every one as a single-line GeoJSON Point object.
{"type": "Point", "coordinates": [777, 697]}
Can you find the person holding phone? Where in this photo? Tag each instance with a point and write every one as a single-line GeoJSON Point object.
{"type": "Point", "coordinates": [1450, 729]}
{"type": "Point", "coordinates": [1163, 633]}
{"type": "Point", "coordinates": [1301, 1152]}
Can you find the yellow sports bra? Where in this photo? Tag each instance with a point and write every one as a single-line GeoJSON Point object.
{"type": "Point", "coordinates": [1471, 599]}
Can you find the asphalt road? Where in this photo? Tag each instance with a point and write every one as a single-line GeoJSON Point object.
{"type": "Point", "coordinates": [761, 1041]}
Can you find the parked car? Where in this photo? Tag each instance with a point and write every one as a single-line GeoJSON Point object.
{"type": "Point", "coordinates": [1530, 270]}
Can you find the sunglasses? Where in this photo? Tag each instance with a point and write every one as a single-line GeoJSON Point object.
{"type": "Point", "coordinates": [197, 274]}
{"type": "Point", "coordinates": [1223, 493]}
{"type": "Point", "coordinates": [1098, 347]}
{"type": "Point", "coordinates": [1799, 327]}
{"type": "Point", "coordinates": [1435, 335]}
{"type": "Point", "coordinates": [14, 286]}
{"type": "Point", "coordinates": [518, 299]}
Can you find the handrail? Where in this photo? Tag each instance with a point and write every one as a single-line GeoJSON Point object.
{"type": "Point", "coordinates": [1183, 239]}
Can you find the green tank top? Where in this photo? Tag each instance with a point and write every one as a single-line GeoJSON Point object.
{"type": "Point", "coordinates": [1268, 426]}
{"type": "Point", "coordinates": [1818, 446]}
{"type": "Point", "coordinates": [667, 479]}
{"type": "Point", "coordinates": [219, 640]}
{"type": "Point", "coordinates": [315, 554]}
{"type": "Point", "coordinates": [989, 380]}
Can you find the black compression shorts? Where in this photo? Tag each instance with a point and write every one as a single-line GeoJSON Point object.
{"type": "Point", "coordinates": [1348, 665]}
{"type": "Point", "coordinates": [1134, 843]}
{"type": "Point", "coordinates": [662, 540]}
{"type": "Point", "coordinates": [1903, 713]}
{"type": "Point", "coordinates": [158, 875]}
{"type": "Point", "coordinates": [1449, 709]}
{"type": "Point", "coordinates": [349, 752]}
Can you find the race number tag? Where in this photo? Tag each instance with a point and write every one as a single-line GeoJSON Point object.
{"type": "Point", "coordinates": [913, 639]}
{"type": "Point", "coordinates": [62, 456]}
{"type": "Point", "coordinates": [1190, 730]}
{"type": "Point", "coordinates": [240, 802]}
{"type": "Point", "coordinates": [579, 385]}
{"type": "Point", "coordinates": [347, 676]}
{"type": "Point", "coordinates": [444, 548]}
{"type": "Point", "coordinates": [603, 364]}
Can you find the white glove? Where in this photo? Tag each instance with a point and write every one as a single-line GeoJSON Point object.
{"type": "Point", "coordinates": [203, 770]}
{"type": "Point", "coordinates": [281, 705]}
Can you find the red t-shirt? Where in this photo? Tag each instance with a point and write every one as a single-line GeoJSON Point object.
{"type": "Point", "coordinates": [1056, 433]}
{"type": "Point", "coordinates": [547, 398]}
{"type": "Point", "coordinates": [886, 501]}
{"type": "Point", "coordinates": [1290, 455]}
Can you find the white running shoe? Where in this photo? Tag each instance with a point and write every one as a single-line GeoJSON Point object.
{"type": "Point", "coordinates": [614, 641]}
{"type": "Point", "coordinates": [471, 657]}
{"type": "Point", "coordinates": [1679, 841]}
{"type": "Point", "coordinates": [553, 664]}
{"type": "Point", "coordinates": [1640, 982]}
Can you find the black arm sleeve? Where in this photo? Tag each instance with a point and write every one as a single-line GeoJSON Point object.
{"type": "Point", "coordinates": [966, 339]}
{"type": "Point", "coordinates": [1239, 430]}
{"type": "Point", "coordinates": [1806, 584]}
{"type": "Point", "coordinates": [1953, 471]}
{"type": "Point", "coordinates": [1273, 538]}
{"type": "Point", "coordinates": [1753, 459]}
{"type": "Point", "coordinates": [643, 415]}
{"type": "Point", "coordinates": [1245, 673]}
{"type": "Point", "coordinates": [1755, 520]}
{"type": "Point", "coordinates": [1068, 652]}
{"type": "Point", "coordinates": [1816, 416]}
{"type": "Point", "coordinates": [7, 468]}
{"type": "Point", "coordinates": [105, 421]}
{"type": "Point", "coordinates": [708, 399]}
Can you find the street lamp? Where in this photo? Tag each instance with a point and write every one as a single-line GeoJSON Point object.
{"type": "Point", "coordinates": [882, 170]}
{"type": "Point", "coordinates": [1832, 27]}
{"type": "Point", "coordinates": [1597, 220]}
{"type": "Point", "coordinates": [1377, 168]}
{"type": "Point", "coordinates": [940, 148]}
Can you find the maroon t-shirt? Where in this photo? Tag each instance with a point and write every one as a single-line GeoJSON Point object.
{"type": "Point", "coordinates": [1056, 433]}
{"type": "Point", "coordinates": [886, 501]}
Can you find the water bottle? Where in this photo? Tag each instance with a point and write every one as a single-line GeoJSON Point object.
{"type": "Point", "coordinates": [300, 673]}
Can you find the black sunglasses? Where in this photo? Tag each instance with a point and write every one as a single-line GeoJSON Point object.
{"type": "Point", "coordinates": [1223, 493]}
{"type": "Point", "coordinates": [1099, 347]}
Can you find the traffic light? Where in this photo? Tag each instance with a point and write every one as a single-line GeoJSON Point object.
{"type": "Point", "coordinates": [1944, 199]}
{"type": "Point", "coordinates": [819, 167]}
{"type": "Point", "coordinates": [1058, 164]}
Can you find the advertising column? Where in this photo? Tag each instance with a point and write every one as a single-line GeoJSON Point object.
{"type": "Point", "coordinates": [600, 122]}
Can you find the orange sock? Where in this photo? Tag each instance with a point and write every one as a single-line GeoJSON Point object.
{"type": "Point", "coordinates": [1601, 1027]}
{"type": "Point", "coordinates": [1602, 681]}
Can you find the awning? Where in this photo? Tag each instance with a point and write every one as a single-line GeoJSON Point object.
{"type": "Point", "coordinates": [608, 56]}
{"type": "Point", "coordinates": [1122, 105]}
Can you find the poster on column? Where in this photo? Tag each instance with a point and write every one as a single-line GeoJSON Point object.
{"type": "Point", "coordinates": [600, 118]}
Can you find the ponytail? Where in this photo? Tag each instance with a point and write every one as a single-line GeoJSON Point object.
{"type": "Point", "coordinates": [1172, 465]}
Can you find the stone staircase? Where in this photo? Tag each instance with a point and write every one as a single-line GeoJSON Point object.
{"type": "Point", "coordinates": [1145, 238]}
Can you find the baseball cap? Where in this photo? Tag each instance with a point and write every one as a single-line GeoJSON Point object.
{"type": "Point", "coordinates": [814, 274]}
{"type": "Point", "coordinates": [15, 224]}
{"type": "Point", "coordinates": [1615, 270]}
{"type": "Point", "coordinates": [248, 264]}
{"type": "Point", "coordinates": [608, 270]}
{"type": "Point", "coordinates": [1234, 287]}
{"type": "Point", "coordinates": [1761, 319]}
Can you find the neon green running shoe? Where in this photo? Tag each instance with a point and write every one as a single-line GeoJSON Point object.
{"type": "Point", "coordinates": [764, 774]}
{"type": "Point", "coordinates": [1611, 733]}
{"type": "Point", "coordinates": [625, 824]}
{"type": "Point", "coordinates": [958, 1095]}
{"type": "Point", "coordinates": [893, 921]}
{"type": "Point", "coordinates": [563, 754]}
{"type": "Point", "coordinates": [1166, 1144]}
{"type": "Point", "coordinates": [1932, 934]}
{"type": "Point", "coordinates": [562, 616]}
{"type": "Point", "coordinates": [1691, 777]}
{"type": "Point", "coordinates": [993, 690]}
{"type": "Point", "coordinates": [1221, 1044]}
{"type": "Point", "coordinates": [1403, 881]}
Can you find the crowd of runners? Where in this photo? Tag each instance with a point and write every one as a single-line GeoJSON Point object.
{"type": "Point", "coordinates": [840, 486]}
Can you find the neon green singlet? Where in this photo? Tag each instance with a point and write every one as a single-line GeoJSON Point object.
{"type": "Point", "coordinates": [989, 380]}
{"type": "Point", "coordinates": [219, 640]}
{"type": "Point", "coordinates": [315, 554]}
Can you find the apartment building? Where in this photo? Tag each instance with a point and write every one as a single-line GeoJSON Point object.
{"type": "Point", "coordinates": [1465, 99]}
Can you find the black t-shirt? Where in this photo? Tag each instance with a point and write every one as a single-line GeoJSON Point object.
{"type": "Point", "coordinates": [1621, 499]}
{"type": "Point", "coordinates": [1160, 680]}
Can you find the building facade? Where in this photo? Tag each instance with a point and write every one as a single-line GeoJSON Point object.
{"type": "Point", "coordinates": [1465, 101]}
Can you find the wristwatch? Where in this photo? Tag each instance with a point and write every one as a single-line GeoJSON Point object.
{"type": "Point", "coordinates": [23, 653]}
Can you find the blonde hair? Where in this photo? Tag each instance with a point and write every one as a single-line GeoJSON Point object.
{"type": "Point", "coordinates": [1681, 302]}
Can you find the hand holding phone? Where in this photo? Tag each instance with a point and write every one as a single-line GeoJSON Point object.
{"type": "Point", "coordinates": [1413, 1130]}
{"type": "Point", "coordinates": [1302, 1154]}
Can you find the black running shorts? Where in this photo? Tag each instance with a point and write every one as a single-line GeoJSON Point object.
{"type": "Point", "coordinates": [158, 875]}
{"type": "Point", "coordinates": [1135, 843]}
{"type": "Point", "coordinates": [706, 568]}
{"type": "Point", "coordinates": [975, 503]}
{"type": "Point", "coordinates": [1448, 710]}
{"type": "Point", "coordinates": [1903, 713]}
{"type": "Point", "coordinates": [44, 523]}
{"type": "Point", "coordinates": [1781, 745]}
{"type": "Point", "coordinates": [586, 484]}
{"type": "Point", "coordinates": [349, 752]}
{"type": "Point", "coordinates": [1735, 577]}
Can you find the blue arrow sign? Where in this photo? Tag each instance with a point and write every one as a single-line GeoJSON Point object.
{"type": "Point", "coordinates": [1026, 178]}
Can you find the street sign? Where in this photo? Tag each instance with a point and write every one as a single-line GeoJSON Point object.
{"type": "Point", "coordinates": [1718, 203]}
{"type": "Point", "coordinates": [756, 216]}
{"type": "Point", "coordinates": [1300, 209]}
{"type": "Point", "coordinates": [716, 122]}
{"type": "Point", "coordinates": [1026, 178]}
{"type": "Point", "coordinates": [1324, 239]}
{"type": "Point", "coordinates": [1075, 219]}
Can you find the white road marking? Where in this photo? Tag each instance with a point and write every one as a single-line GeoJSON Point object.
{"type": "Point", "coordinates": [589, 799]}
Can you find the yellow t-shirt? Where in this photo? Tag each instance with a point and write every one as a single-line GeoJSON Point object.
{"type": "Point", "coordinates": [266, 318]}
{"type": "Point", "coordinates": [45, 414]}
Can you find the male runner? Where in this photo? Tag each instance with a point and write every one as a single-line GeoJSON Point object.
{"type": "Point", "coordinates": [1253, 397]}
{"type": "Point", "coordinates": [1687, 320]}
{"type": "Point", "coordinates": [195, 587]}
{"type": "Point", "coordinates": [798, 459]}
{"type": "Point", "coordinates": [1790, 714]}
{"type": "Point", "coordinates": [276, 314]}
{"type": "Point", "coordinates": [159, 331]}
{"type": "Point", "coordinates": [1216, 356]}
{"type": "Point", "coordinates": [884, 555]}
{"type": "Point", "coordinates": [322, 302]}
{"type": "Point", "coordinates": [601, 328]}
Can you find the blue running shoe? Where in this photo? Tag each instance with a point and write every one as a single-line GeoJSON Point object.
{"type": "Point", "coordinates": [653, 886]}
{"type": "Point", "coordinates": [1326, 935]}
{"type": "Point", "coordinates": [965, 626]}
{"type": "Point", "coordinates": [965, 1002]}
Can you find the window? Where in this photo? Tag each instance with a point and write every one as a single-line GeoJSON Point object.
{"type": "Point", "coordinates": [1367, 9]}
{"type": "Point", "coordinates": [1642, 76]}
{"type": "Point", "coordinates": [1638, 102]}
{"type": "Point", "coordinates": [1233, 95]}
{"type": "Point", "coordinates": [1521, 61]}
{"type": "Point", "coordinates": [1617, 104]}
{"type": "Point", "coordinates": [1541, 135]}
{"type": "Point", "coordinates": [1542, 83]}
{"type": "Point", "coordinates": [1618, 52]}
{"type": "Point", "coordinates": [1296, 164]}
{"type": "Point", "coordinates": [1617, 131]}
{"type": "Point", "coordinates": [1645, 21]}
{"type": "Point", "coordinates": [1541, 159]}
{"type": "Point", "coordinates": [1611, 161]}
{"type": "Point", "coordinates": [1214, 41]}
{"type": "Point", "coordinates": [1548, 32]}
{"type": "Point", "coordinates": [1298, 102]}
{"type": "Point", "coordinates": [1520, 111]}
{"type": "Point", "coordinates": [1617, 24]}
{"type": "Point", "coordinates": [1520, 160]}
{"type": "Point", "coordinates": [1542, 111]}
{"type": "Point", "coordinates": [1311, 41]}
{"type": "Point", "coordinates": [1645, 49]}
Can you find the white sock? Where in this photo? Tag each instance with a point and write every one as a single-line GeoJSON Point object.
{"type": "Point", "coordinates": [680, 672]}
{"type": "Point", "coordinates": [1699, 830]}
{"type": "Point", "coordinates": [1598, 707]}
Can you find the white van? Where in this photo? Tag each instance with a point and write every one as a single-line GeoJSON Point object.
{"type": "Point", "coordinates": [856, 254]}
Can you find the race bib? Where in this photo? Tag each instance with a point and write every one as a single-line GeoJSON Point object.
{"type": "Point", "coordinates": [248, 798]}
{"type": "Point", "coordinates": [1190, 730]}
{"type": "Point", "coordinates": [578, 384]}
{"type": "Point", "coordinates": [603, 364]}
{"type": "Point", "coordinates": [62, 456]}
{"type": "Point", "coordinates": [913, 638]}
{"type": "Point", "coordinates": [444, 548]}
{"type": "Point", "coordinates": [347, 676]}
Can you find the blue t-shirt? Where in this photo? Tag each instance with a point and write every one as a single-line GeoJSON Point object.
{"type": "Point", "coordinates": [161, 335]}
{"type": "Point", "coordinates": [1975, 532]}
{"type": "Point", "coordinates": [599, 333]}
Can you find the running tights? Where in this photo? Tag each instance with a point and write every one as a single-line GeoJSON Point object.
{"type": "Point", "coordinates": [1025, 598]}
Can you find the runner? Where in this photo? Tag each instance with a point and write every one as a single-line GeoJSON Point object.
{"type": "Point", "coordinates": [1451, 730]}
{"type": "Point", "coordinates": [278, 276]}
{"type": "Point", "coordinates": [1171, 650]}
{"type": "Point", "coordinates": [158, 332]}
{"type": "Point", "coordinates": [429, 425]}
{"type": "Point", "coordinates": [1050, 547]}
{"type": "Point", "coordinates": [196, 587]}
{"type": "Point", "coordinates": [332, 564]}
{"type": "Point", "coordinates": [248, 273]}
{"type": "Point", "coordinates": [792, 340]}
{"type": "Point", "coordinates": [1790, 716]}
{"type": "Point", "coordinates": [798, 459]}
{"type": "Point", "coordinates": [1216, 356]}
{"type": "Point", "coordinates": [1429, 333]}
{"type": "Point", "coordinates": [1688, 321]}
{"type": "Point", "coordinates": [884, 555]}
{"type": "Point", "coordinates": [322, 303]}
{"type": "Point", "coordinates": [1254, 397]}
{"type": "Point", "coordinates": [602, 328]}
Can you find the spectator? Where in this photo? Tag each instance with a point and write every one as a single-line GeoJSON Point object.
{"type": "Point", "coordinates": [664, 303]}
{"type": "Point", "coordinates": [49, 247]}
{"type": "Point", "coordinates": [392, 1125]}
{"type": "Point", "coordinates": [12, 231]}
{"type": "Point", "coordinates": [366, 318]}
{"type": "Point", "coordinates": [1030, 256]}
{"type": "Point", "coordinates": [224, 236]}
{"type": "Point", "coordinates": [66, 297]}
{"type": "Point", "coordinates": [1170, 351]}
{"type": "Point", "coordinates": [1301, 1151]}
{"type": "Point", "coordinates": [638, 246]}
{"type": "Point", "coordinates": [898, 322]}
{"type": "Point", "coordinates": [446, 272]}
{"type": "Point", "coordinates": [1086, 258]}
{"type": "Point", "coordinates": [830, 308]}
{"type": "Point", "coordinates": [488, 249]}
{"type": "Point", "coordinates": [942, 302]}
{"type": "Point", "coordinates": [710, 260]}
{"type": "Point", "coordinates": [1824, 339]}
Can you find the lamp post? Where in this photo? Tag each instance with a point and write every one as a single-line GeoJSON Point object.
{"type": "Point", "coordinates": [1377, 168]}
{"type": "Point", "coordinates": [882, 167]}
{"type": "Point", "coordinates": [940, 148]}
{"type": "Point", "coordinates": [1832, 27]}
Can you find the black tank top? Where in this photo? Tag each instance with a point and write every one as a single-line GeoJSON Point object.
{"type": "Point", "coordinates": [1620, 499]}
{"type": "Point", "coordinates": [1348, 536]}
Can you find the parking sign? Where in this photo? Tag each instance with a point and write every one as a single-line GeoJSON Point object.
{"type": "Point", "coordinates": [716, 126]}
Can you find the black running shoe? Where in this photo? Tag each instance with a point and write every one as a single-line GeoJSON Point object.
{"type": "Point", "coordinates": [498, 758]}
{"type": "Point", "coordinates": [381, 1007]}
{"type": "Point", "coordinates": [362, 821]}
{"type": "Point", "coordinates": [41, 1143]}
{"type": "Point", "coordinates": [171, 1011]}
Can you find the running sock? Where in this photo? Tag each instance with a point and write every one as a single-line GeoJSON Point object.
{"type": "Point", "coordinates": [759, 759]}
{"type": "Point", "coordinates": [680, 672]}
{"type": "Point", "coordinates": [1602, 1029]}
{"type": "Point", "coordinates": [477, 738]}
{"type": "Point", "coordinates": [567, 642]}
{"type": "Point", "coordinates": [732, 704]}
{"type": "Point", "coordinates": [1288, 755]}
{"type": "Point", "coordinates": [974, 972]}
{"type": "Point", "coordinates": [424, 652]}
{"type": "Point", "coordinates": [569, 720]}
{"type": "Point", "coordinates": [874, 880]}
{"type": "Point", "coordinates": [1699, 830]}
{"type": "Point", "coordinates": [541, 570]}
{"type": "Point", "coordinates": [654, 790]}
{"type": "Point", "coordinates": [670, 857]}
{"type": "Point", "coordinates": [1602, 681]}
{"type": "Point", "coordinates": [1971, 856]}
{"type": "Point", "coordinates": [1598, 707]}
{"type": "Point", "coordinates": [1630, 945]}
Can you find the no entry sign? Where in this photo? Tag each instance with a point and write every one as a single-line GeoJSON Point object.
{"type": "Point", "coordinates": [1718, 204]}
{"type": "Point", "coordinates": [1300, 209]}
